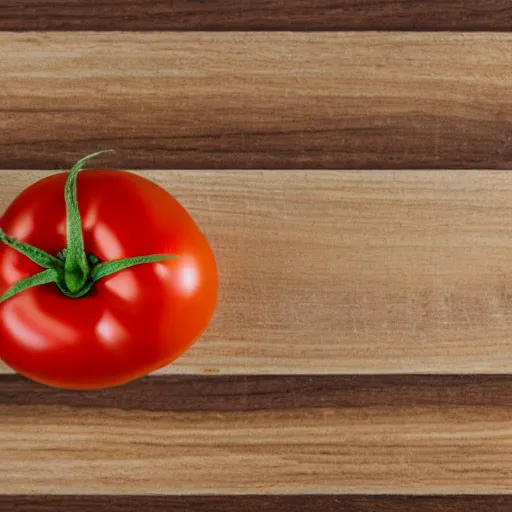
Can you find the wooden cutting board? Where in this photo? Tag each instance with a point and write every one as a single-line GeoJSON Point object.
{"type": "Point", "coordinates": [349, 163]}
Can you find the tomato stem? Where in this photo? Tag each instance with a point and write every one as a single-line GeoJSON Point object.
{"type": "Point", "coordinates": [76, 266]}
{"type": "Point", "coordinates": [74, 271]}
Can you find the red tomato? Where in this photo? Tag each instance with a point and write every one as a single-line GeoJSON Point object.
{"type": "Point", "coordinates": [130, 323]}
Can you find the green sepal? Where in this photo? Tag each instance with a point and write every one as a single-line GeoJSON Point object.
{"type": "Point", "coordinates": [42, 258]}
{"type": "Point", "coordinates": [111, 267]}
{"type": "Point", "coordinates": [45, 277]}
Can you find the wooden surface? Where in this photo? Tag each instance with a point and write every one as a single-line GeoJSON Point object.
{"type": "Point", "coordinates": [443, 435]}
{"type": "Point", "coordinates": [348, 161]}
{"type": "Point", "coordinates": [257, 100]}
{"type": "Point", "coordinates": [431, 15]}
{"type": "Point", "coordinates": [349, 272]}
{"type": "Point", "coordinates": [324, 272]}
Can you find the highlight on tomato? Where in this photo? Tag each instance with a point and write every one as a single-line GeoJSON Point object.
{"type": "Point", "coordinates": [104, 278]}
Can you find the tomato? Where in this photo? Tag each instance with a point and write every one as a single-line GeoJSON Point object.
{"type": "Point", "coordinates": [124, 325]}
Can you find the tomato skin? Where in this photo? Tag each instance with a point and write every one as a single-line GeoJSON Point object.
{"type": "Point", "coordinates": [131, 323]}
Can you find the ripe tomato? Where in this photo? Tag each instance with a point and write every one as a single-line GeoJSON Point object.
{"type": "Point", "coordinates": [128, 323]}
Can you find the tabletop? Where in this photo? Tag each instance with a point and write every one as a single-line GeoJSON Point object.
{"type": "Point", "coordinates": [349, 163]}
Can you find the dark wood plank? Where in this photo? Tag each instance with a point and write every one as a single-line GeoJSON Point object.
{"type": "Point", "coordinates": [306, 503]}
{"type": "Point", "coordinates": [303, 15]}
{"type": "Point", "coordinates": [258, 393]}
{"type": "Point", "coordinates": [257, 100]}
{"type": "Point", "coordinates": [369, 142]}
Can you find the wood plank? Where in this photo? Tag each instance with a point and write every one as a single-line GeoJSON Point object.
{"type": "Point", "coordinates": [328, 272]}
{"type": "Point", "coordinates": [430, 15]}
{"type": "Point", "coordinates": [257, 100]}
{"type": "Point", "coordinates": [400, 443]}
{"type": "Point", "coordinates": [269, 393]}
{"type": "Point", "coordinates": [304, 503]}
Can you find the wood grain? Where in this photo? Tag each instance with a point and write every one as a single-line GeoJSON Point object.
{"type": "Point", "coordinates": [257, 100]}
{"type": "Point", "coordinates": [403, 444]}
{"type": "Point", "coordinates": [328, 272]}
{"type": "Point", "coordinates": [304, 503]}
{"type": "Point", "coordinates": [270, 393]}
{"type": "Point", "coordinates": [413, 15]}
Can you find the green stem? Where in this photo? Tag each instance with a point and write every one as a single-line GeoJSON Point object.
{"type": "Point", "coordinates": [76, 265]}
{"type": "Point", "coordinates": [79, 271]}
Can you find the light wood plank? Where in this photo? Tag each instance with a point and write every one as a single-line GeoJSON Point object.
{"type": "Point", "coordinates": [52, 450]}
{"type": "Point", "coordinates": [257, 100]}
{"type": "Point", "coordinates": [349, 272]}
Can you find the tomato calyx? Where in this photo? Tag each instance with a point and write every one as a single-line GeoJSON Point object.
{"type": "Point", "coordinates": [73, 270]}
